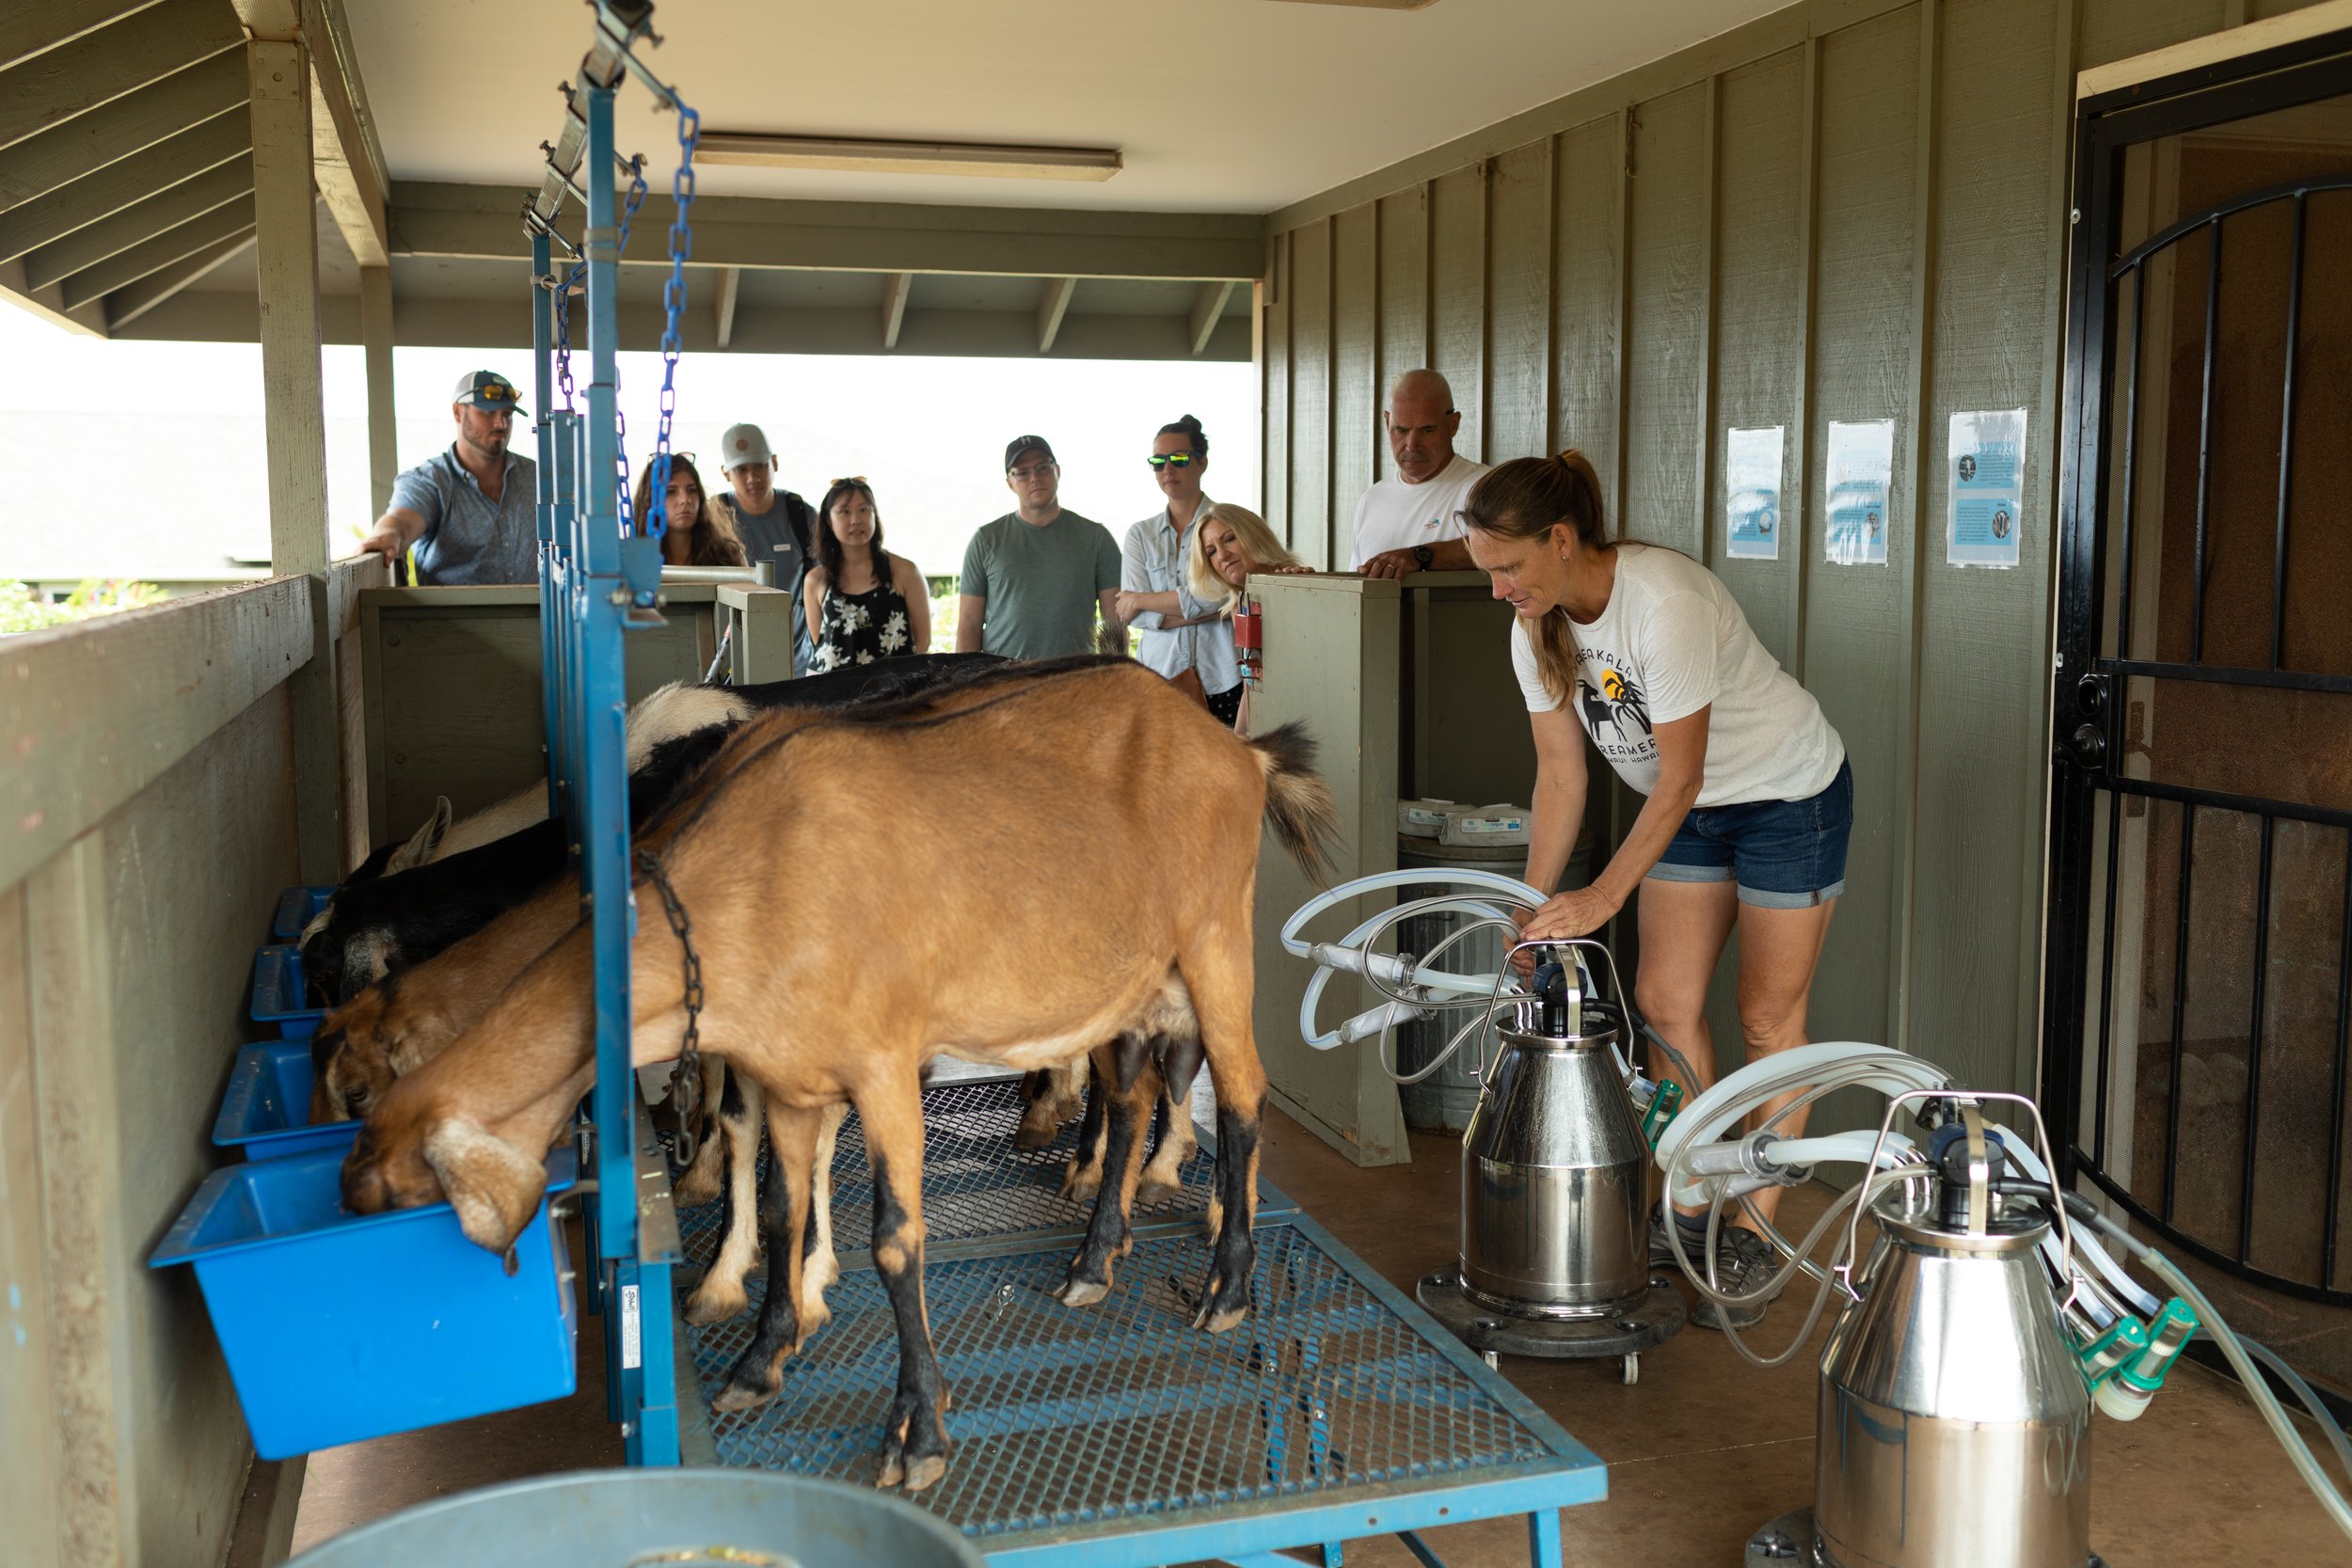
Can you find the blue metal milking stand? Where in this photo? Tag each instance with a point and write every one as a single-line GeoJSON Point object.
{"type": "Point", "coordinates": [593, 584]}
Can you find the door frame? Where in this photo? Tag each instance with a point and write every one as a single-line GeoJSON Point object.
{"type": "Point", "coordinates": [2088, 715]}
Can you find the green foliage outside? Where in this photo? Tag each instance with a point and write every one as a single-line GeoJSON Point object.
{"type": "Point", "coordinates": [21, 610]}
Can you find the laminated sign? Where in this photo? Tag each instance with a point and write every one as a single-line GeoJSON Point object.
{"type": "Point", "coordinates": [1860, 459]}
{"type": "Point", "coordinates": [1752, 493]}
{"type": "Point", "coordinates": [1984, 485]}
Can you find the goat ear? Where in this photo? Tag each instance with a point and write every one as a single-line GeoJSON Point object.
{"type": "Point", "coordinates": [493, 1185]}
{"type": "Point", "coordinates": [421, 843]}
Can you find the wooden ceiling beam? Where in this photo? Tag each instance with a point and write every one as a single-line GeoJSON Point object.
{"type": "Point", "coordinates": [111, 62]}
{"type": "Point", "coordinates": [130, 124]}
{"type": "Point", "coordinates": [1052, 309]}
{"type": "Point", "coordinates": [140, 222]}
{"type": "Point", "coordinates": [896, 288]}
{"type": "Point", "coordinates": [203, 146]}
{"type": "Point", "coordinates": [30, 27]}
{"type": "Point", "coordinates": [133, 300]}
{"type": "Point", "coordinates": [173, 244]}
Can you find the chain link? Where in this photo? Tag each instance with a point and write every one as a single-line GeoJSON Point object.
{"type": "Point", "coordinates": [690, 133]}
{"type": "Point", "coordinates": [620, 421]}
{"type": "Point", "coordinates": [564, 331]}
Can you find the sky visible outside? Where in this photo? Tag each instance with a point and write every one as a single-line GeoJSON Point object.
{"type": "Point", "coordinates": [149, 455]}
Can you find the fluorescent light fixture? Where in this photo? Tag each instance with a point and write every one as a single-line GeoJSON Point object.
{"type": "Point", "coordinates": [995, 160]}
{"type": "Point", "coordinates": [1372, 5]}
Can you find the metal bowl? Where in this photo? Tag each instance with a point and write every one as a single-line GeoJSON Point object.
{"type": "Point", "coordinates": [645, 1518]}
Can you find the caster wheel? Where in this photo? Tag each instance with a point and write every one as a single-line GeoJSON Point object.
{"type": "Point", "coordinates": [1630, 1370]}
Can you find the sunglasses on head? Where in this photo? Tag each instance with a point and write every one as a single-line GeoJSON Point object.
{"type": "Point", "coordinates": [853, 479]}
{"type": "Point", "coordinates": [1170, 459]}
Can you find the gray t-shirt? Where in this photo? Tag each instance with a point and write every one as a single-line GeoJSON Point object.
{"type": "Point", "coordinates": [1040, 581]}
{"type": "Point", "coordinates": [470, 538]}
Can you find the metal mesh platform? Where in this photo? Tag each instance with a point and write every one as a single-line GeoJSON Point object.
{"type": "Point", "coordinates": [1071, 1426]}
{"type": "Point", "coordinates": [976, 1188]}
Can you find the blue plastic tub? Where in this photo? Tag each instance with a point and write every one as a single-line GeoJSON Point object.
{"type": "Point", "coordinates": [266, 1112]}
{"type": "Point", "coordinates": [338, 1328]}
{"type": "Point", "coordinates": [297, 908]}
{"type": "Point", "coordinates": [281, 995]}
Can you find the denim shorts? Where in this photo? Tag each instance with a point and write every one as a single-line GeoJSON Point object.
{"type": "Point", "coordinates": [1785, 854]}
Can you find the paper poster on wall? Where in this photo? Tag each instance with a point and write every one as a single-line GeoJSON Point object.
{"type": "Point", "coordinates": [1752, 493]}
{"type": "Point", "coordinates": [1861, 462]}
{"type": "Point", "coordinates": [1985, 478]}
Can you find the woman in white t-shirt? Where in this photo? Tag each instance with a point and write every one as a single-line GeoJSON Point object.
{"type": "Point", "coordinates": [1749, 794]}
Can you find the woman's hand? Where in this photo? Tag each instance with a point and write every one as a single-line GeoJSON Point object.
{"type": "Point", "coordinates": [1128, 604]}
{"type": "Point", "coordinates": [1577, 912]}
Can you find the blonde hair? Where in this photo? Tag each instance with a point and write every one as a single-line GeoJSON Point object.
{"type": "Point", "coordinates": [1523, 499]}
{"type": "Point", "coordinates": [1256, 539]}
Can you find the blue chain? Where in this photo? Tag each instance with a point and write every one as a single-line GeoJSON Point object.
{"type": "Point", "coordinates": [564, 331]}
{"type": "Point", "coordinates": [689, 131]}
{"type": "Point", "coordinates": [620, 419]}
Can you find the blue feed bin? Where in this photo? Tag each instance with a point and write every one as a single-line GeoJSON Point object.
{"type": "Point", "coordinates": [281, 996]}
{"type": "Point", "coordinates": [297, 908]}
{"type": "Point", "coordinates": [266, 1112]}
{"type": "Point", "coordinates": [338, 1327]}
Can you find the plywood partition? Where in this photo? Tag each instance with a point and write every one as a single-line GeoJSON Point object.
{"type": "Point", "coordinates": [1847, 209]}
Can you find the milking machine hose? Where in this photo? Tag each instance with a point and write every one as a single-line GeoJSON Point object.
{"type": "Point", "coordinates": [2283, 1426]}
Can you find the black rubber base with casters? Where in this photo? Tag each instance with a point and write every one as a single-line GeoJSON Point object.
{"type": "Point", "coordinates": [1658, 1315]}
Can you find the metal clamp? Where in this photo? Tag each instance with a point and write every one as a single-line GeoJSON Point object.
{"type": "Point", "coordinates": [1978, 1160]}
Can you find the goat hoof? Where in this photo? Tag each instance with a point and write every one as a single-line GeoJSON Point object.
{"type": "Point", "coordinates": [715, 1307]}
{"type": "Point", "coordinates": [1154, 1191]}
{"type": "Point", "coordinates": [1029, 1140]}
{"type": "Point", "coordinates": [735, 1397]}
{"type": "Point", "coordinates": [925, 1472]}
{"type": "Point", "coordinates": [1080, 1292]}
{"type": "Point", "coordinates": [1224, 1302]}
{"type": "Point", "coordinates": [691, 1192]}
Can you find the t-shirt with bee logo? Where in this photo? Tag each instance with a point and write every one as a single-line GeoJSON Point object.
{"type": "Point", "coordinates": [1672, 640]}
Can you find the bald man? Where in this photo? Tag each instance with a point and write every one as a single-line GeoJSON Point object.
{"type": "Point", "coordinates": [1408, 522]}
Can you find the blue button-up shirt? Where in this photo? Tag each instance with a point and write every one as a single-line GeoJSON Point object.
{"type": "Point", "coordinates": [1153, 562]}
{"type": "Point", "coordinates": [470, 538]}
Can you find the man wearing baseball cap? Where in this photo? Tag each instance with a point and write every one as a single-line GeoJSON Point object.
{"type": "Point", "coordinates": [1034, 579]}
{"type": "Point", "coordinates": [471, 512]}
{"type": "Point", "coordinates": [774, 525]}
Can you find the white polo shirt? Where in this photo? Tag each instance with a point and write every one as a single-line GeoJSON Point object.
{"type": "Point", "coordinates": [1394, 515]}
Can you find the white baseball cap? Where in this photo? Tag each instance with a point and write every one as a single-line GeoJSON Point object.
{"type": "Point", "coordinates": [741, 444]}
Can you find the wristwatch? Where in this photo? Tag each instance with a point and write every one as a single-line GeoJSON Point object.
{"type": "Point", "coordinates": [1422, 556]}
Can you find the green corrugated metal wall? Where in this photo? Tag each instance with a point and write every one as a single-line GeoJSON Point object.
{"type": "Point", "coordinates": [1845, 211]}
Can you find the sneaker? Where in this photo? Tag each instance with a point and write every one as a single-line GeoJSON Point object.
{"type": "Point", "coordinates": [1745, 1263]}
{"type": "Point", "coordinates": [1661, 1251]}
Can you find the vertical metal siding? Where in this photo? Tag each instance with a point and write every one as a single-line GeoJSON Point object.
{"type": "Point", "coordinates": [1864, 220]}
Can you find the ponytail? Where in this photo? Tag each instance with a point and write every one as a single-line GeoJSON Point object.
{"type": "Point", "coordinates": [1523, 499]}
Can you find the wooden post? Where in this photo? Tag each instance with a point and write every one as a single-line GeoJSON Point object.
{"type": "Point", "coordinates": [295, 417]}
{"type": "Point", "coordinates": [375, 332]}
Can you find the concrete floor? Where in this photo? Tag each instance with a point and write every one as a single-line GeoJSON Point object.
{"type": "Point", "coordinates": [1701, 1452]}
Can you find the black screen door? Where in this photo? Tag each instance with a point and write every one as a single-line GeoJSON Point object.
{"type": "Point", "coordinates": [2197, 1056]}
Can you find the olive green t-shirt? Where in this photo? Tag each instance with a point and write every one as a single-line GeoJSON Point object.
{"type": "Point", "coordinates": [1042, 582]}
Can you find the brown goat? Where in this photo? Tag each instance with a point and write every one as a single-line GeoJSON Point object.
{"type": "Point", "coordinates": [942, 851]}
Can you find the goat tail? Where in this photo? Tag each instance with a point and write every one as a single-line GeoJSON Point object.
{"type": "Point", "coordinates": [1298, 804]}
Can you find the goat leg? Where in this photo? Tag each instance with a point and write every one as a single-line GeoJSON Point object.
{"type": "Point", "coordinates": [1164, 1178]}
{"type": "Point", "coordinates": [1082, 1173]}
{"type": "Point", "coordinates": [820, 1267]}
{"type": "Point", "coordinates": [1232, 1214]}
{"type": "Point", "coordinates": [758, 1372]}
{"type": "Point", "coordinates": [1108, 1237]}
{"type": "Point", "coordinates": [720, 1294]}
{"type": "Point", "coordinates": [915, 1434]}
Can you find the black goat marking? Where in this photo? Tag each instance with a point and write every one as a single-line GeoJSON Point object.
{"type": "Point", "coordinates": [1233, 1250]}
{"type": "Point", "coordinates": [1108, 1236]}
{"type": "Point", "coordinates": [915, 1447]}
{"type": "Point", "coordinates": [759, 1372]}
